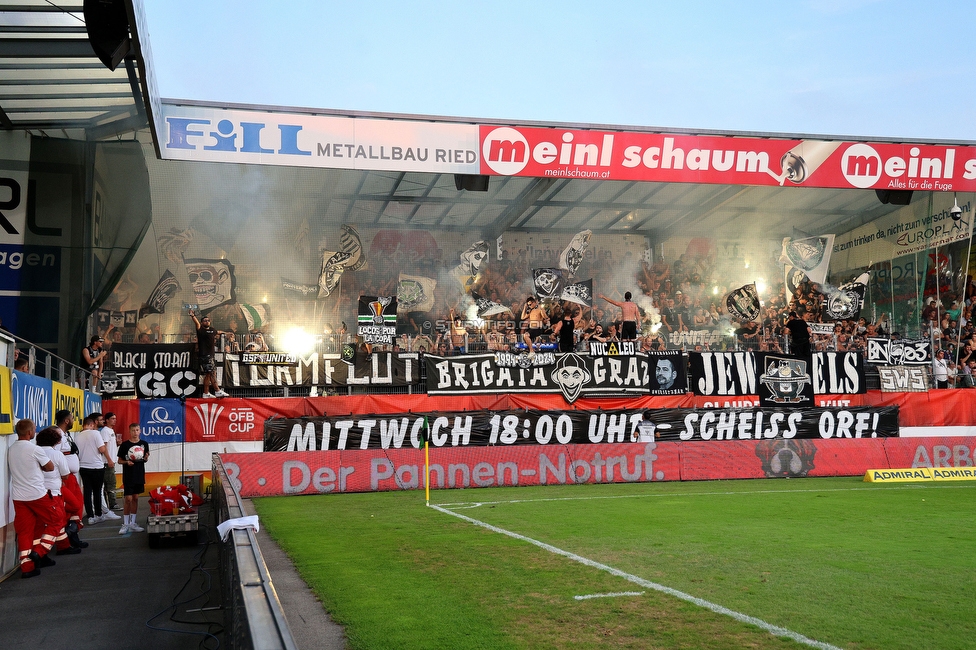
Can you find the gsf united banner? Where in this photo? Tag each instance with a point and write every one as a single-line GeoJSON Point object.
{"type": "Point", "coordinates": [777, 379]}
{"type": "Point", "coordinates": [571, 374]}
{"type": "Point", "coordinates": [377, 369]}
{"type": "Point", "coordinates": [532, 427]}
{"type": "Point", "coordinates": [151, 371]}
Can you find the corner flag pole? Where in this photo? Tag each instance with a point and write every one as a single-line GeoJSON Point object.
{"type": "Point", "coordinates": [427, 459]}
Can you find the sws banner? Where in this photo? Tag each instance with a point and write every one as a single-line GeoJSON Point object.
{"type": "Point", "coordinates": [532, 427]}
{"type": "Point", "coordinates": [777, 379]}
{"type": "Point", "coordinates": [377, 369]}
{"type": "Point", "coordinates": [166, 370]}
{"type": "Point", "coordinates": [571, 374]}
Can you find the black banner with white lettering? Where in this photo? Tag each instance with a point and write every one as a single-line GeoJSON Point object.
{"type": "Point", "coordinates": [534, 427]}
{"type": "Point", "coordinates": [323, 370]}
{"type": "Point", "coordinates": [723, 373]}
{"type": "Point", "coordinates": [571, 374]}
{"type": "Point", "coordinates": [901, 352]}
{"type": "Point", "coordinates": [150, 371]}
{"type": "Point", "coordinates": [776, 378]}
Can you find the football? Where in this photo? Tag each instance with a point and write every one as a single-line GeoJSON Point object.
{"type": "Point", "coordinates": [136, 454]}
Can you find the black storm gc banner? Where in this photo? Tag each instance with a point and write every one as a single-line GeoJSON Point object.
{"type": "Point", "coordinates": [151, 371]}
{"type": "Point", "coordinates": [572, 375]}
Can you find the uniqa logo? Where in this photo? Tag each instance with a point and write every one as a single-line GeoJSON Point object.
{"type": "Point", "coordinates": [160, 415]}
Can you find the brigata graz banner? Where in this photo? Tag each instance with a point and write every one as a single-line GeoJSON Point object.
{"type": "Point", "coordinates": [571, 374]}
{"type": "Point", "coordinates": [151, 370]}
{"type": "Point", "coordinates": [532, 427]}
{"type": "Point", "coordinates": [377, 369]}
{"type": "Point", "coordinates": [778, 379]}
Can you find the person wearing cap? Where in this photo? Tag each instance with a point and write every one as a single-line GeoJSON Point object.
{"type": "Point", "coordinates": [91, 359]}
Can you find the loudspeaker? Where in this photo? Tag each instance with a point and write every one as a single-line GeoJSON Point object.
{"type": "Point", "coordinates": [894, 197]}
{"type": "Point", "coordinates": [108, 30]}
{"type": "Point", "coordinates": [471, 182]}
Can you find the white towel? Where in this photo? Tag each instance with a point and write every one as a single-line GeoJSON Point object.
{"type": "Point", "coordinates": [240, 522]}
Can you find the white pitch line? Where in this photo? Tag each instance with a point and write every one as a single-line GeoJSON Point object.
{"type": "Point", "coordinates": [914, 486]}
{"type": "Point", "coordinates": [612, 595]}
{"type": "Point", "coordinates": [718, 609]}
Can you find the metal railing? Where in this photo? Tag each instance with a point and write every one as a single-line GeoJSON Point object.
{"type": "Point", "coordinates": [253, 616]}
{"type": "Point", "coordinates": [44, 363]}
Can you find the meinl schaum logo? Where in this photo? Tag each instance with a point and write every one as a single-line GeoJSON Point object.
{"type": "Point", "coordinates": [861, 165]}
{"type": "Point", "coordinates": [505, 151]}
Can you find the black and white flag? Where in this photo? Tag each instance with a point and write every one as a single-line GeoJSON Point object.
{"type": "Point", "coordinates": [333, 265]}
{"type": "Point", "coordinates": [548, 282]}
{"type": "Point", "coordinates": [488, 308]}
{"type": "Point", "coordinates": [167, 287]}
{"type": "Point", "coordinates": [743, 303]}
{"type": "Point", "coordinates": [809, 254]}
{"type": "Point", "coordinates": [299, 290]}
{"type": "Point", "coordinates": [580, 292]}
{"type": "Point", "coordinates": [572, 256]}
{"type": "Point", "coordinates": [845, 302]}
{"type": "Point", "coordinates": [794, 278]}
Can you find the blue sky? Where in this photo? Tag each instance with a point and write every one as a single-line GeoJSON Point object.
{"type": "Point", "coordinates": [856, 67]}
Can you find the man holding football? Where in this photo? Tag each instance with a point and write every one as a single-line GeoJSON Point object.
{"type": "Point", "coordinates": [133, 454]}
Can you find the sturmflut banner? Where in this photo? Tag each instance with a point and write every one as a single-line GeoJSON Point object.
{"type": "Point", "coordinates": [534, 427]}
{"type": "Point", "coordinates": [317, 369]}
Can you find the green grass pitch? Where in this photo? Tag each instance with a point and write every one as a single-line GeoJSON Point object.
{"type": "Point", "coordinates": [836, 562]}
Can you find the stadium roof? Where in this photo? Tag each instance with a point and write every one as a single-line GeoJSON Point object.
{"type": "Point", "coordinates": [51, 82]}
{"type": "Point", "coordinates": [53, 85]}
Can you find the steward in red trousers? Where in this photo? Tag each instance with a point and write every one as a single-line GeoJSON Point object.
{"type": "Point", "coordinates": [47, 440]}
{"type": "Point", "coordinates": [36, 518]}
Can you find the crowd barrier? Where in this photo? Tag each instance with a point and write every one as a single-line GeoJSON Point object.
{"type": "Point", "coordinates": [253, 616]}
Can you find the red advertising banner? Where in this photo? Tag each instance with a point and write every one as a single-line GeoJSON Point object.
{"type": "Point", "coordinates": [314, 472]}
{"type": "Point", "coordinates": [209, 420]}
{"type": "Point", "coordinates": [676, 158]}
{"type": "Point", "coordinates": [956, 451]}
{"type": "Point", "coordinates": [370, 470]}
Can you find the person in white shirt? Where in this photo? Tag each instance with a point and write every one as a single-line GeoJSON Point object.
{"type": "Point", "coordinates": [34, 509]}
{"type": "Point", "coordinates": [74, 500]}
{"type": "Point", "coordinates": [46, 440]}
{"type": "Point", "coordinates": [940, 370]}
{"type": "Point", "coordinates": [91, 452]}
{"type": "Point", "coordinates": [112, 447]}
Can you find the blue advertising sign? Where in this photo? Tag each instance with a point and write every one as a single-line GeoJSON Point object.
{"type": "Point", "coordinates": [93, 403]}
{"type": "Point", "coordinates": [32, 398]}
{"type": "Point", "coordinates": [162, 420]}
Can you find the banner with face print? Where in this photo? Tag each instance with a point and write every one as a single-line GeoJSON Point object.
{"type": "Point", "coordinates": [213, 283]}
{"type": "Point", "coordinates": [548, 283]}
